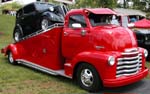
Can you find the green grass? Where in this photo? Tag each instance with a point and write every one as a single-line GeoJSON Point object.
{"type": "Point", "coordinates": [24, 80]}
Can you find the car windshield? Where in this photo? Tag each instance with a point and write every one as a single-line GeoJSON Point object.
{"type": "Point", "coordinates": [102, 19]}
{"type": "Point", "coordinates": [43, 6]}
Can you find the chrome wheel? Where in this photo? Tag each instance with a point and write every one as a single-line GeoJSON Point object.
{"type": "Point", "coordinates": [44, 24]}
{"type": "Point", "coordinates": [10, 57]}
{"type": "Point", "coordinates": [17, 36]}
{"type": "Point", "coordinates": [87, 77]}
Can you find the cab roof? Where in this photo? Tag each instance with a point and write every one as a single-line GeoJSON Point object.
{"type": "Point", "coordinates": [94, 11]}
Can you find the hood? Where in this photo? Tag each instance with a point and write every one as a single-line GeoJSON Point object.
{"type": "Point", "coordinates": [114, 38]}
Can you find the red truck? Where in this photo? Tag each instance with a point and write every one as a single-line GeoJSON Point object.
{"type": "Point", "coordinates": [86, 48]}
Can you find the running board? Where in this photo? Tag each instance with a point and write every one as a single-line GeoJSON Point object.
{"type": "Point", "coordinates": [41, 68]}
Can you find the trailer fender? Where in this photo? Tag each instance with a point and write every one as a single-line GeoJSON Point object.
{"type": "Point", "coordinates": [12, 48]}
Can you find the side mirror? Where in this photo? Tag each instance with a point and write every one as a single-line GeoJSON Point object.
{"type": "Point", "coordinates": [76, 25]}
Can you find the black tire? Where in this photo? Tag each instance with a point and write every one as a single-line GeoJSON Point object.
{"type": "Point", "coordinates": [94, 83]}
{"type": "Point", "coordinates": [17, 35]}
{"type": "Point", "coordinates": [45, 23]}
{"type": "Point", "coordinates": [11, 59]}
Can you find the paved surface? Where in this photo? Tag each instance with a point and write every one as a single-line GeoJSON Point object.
{"type": "Point", "coordinates": [141, 87]}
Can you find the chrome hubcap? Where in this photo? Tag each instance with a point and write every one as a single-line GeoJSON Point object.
{"type": "Point", "coordinates": [16, 36]}
{"type": "Point", "coordinates": [11, 58]}
{"type": "Point", "coordinates": [87, 77]}
{"type": "Point", "coordinates": [44, 24]}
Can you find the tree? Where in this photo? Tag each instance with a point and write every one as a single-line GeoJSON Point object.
{"type": "Point", "coordinates": [141, 5]}
{"type": "Point", "coordinates": [95, 3]}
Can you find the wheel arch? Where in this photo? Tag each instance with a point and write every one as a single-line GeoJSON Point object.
{"type": "Point", "coordinates": [47, 14]}
{"type": "Point", "coordinates": [12, 48]}
{"type": "Point", "coordinates": [79, 64]}
{"type": "Point", "coordinates": [95, 59]}
{"type": "Point", "coordinates": [19, 26]}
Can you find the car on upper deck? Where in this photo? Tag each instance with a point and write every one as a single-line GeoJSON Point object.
{"type": "Point", "coordinates": [36, 16]}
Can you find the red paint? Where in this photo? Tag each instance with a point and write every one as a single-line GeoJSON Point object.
{"type": "Point", "coordinates": [55, 50]}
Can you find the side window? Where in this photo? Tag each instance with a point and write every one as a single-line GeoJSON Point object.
{"type": "Point", "coordinates": [77, 19]}
{"type": "Point", "coordinates": [29, 9]}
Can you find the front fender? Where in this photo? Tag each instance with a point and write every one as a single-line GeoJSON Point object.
{"type": "Point", "coordinates": [97, 59]}
{"type": "Point", "coordinates": [53, 17]}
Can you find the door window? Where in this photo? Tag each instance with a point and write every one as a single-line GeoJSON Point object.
{"type": "Point", "coordinates": [77, 19]}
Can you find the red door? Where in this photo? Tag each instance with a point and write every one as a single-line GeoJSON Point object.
{"type": "Point", "coordinates": [75, 37]}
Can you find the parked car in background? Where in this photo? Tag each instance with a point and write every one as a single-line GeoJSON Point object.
{"type": "Point", "coordinates": [36, 16]}
{"type": "Point", "coordinates": [127, 16]}
{"type": "Point", "coordinates": [135, 20]}
{"type": "Point", "coordinates": [142, 31]}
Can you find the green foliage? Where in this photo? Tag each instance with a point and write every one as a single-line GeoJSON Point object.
{"type": "Point", "coordinates": [148, 16]}
{"type": "Point", "coordinates": [94, 3]}
{"type": "Point", "coordinates": [138, 5]}
{"type": "Point", "coordinates": [11, 6]}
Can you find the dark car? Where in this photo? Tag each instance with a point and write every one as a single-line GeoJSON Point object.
{"type": "Point", "coordinates": [37, 16]}
{"type": "Point", "coordinates": [143, 38]}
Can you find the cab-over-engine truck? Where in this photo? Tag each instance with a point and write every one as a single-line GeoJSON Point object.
{"type": "Point", "coordinates": [86, 48]}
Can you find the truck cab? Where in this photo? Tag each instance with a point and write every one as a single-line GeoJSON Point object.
{"type": "Point", "coordinates": [87, 48]}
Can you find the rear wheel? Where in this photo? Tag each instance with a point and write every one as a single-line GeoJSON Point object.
{"type": "Point", "coordinates": [11, 58]}
{"type": "Point", "coordinates": [17, 35]}
{"type": "Point", "coordinates": [45, 23]}
{"type": "Point", "coordinates": [88, 78]}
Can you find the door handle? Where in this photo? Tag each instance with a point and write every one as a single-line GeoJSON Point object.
{"type": "Point", "coordinates": [83, 32]}
{"type": "Point", "coordinates": [66, 33]}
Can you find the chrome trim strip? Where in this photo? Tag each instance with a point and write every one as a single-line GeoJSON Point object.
{"type": "Point", "coordinates": [131, 70]}
{"type": "Point", "coordinates": [126, 74]}
{"type": "Point", "coordinates": [128, 62]}
{"type": "Point", "coordinates": [129, 66]}
{"type": "Point", "coordinates": [42, 31]}
{"type": "Point", "coordinates": [130, 53]}
{"type": "Point", "coordinates": [130, 50]}
{"type": "Point", "coordinates": [130, 58]}
{"type": "Point", "coordinates": [43, 69]}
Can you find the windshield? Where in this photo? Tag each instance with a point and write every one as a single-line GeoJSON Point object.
{"type": "Point", "coordinates": [102, 19]}
{"type": "Point", "coordinates": [43, 6]}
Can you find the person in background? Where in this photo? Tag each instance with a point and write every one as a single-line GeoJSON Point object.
{"type": "Point", "coordinates": [114, 20]}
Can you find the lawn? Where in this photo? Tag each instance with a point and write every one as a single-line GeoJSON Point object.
{"type": "Point", "coordinates": [24, 80]}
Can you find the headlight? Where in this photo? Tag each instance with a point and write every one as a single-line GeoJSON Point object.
{"type": "Point", "coordinates": [146, 38]}
{"type": "Point", "coordinates": [111, 60]}
{"type": "Point", "coordinates": [51, 9]}
{"type": "Point", "coordinates": [145, 53]}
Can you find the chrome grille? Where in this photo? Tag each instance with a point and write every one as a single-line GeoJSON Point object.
{"type": "Point", "coordinates": [130, 63]}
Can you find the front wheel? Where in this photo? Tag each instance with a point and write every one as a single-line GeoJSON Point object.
{"type": "Point", "coordinates": [45, 23]}
{"type": "Point", "coordinates": [17, 34]}
{"type": "Point", "coordinates": [11, 58]}
{"type": "Point", "coordinates": [88, 78]}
